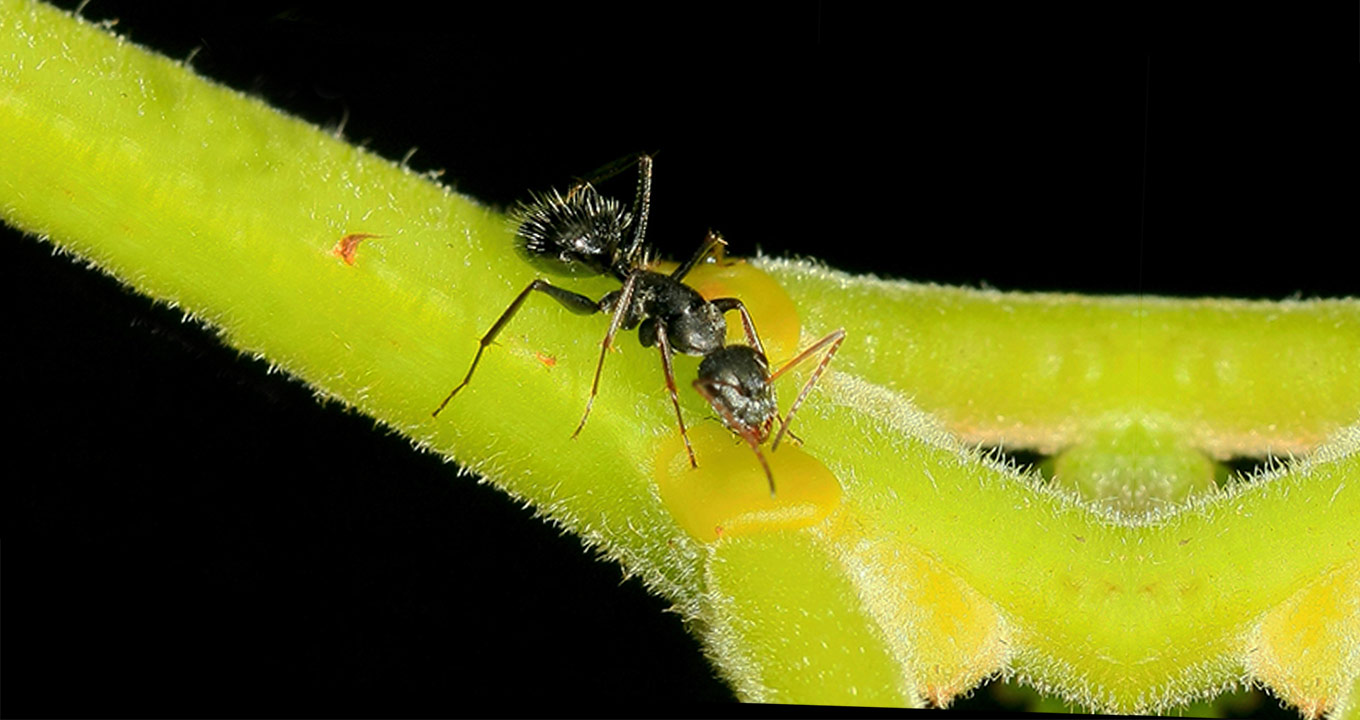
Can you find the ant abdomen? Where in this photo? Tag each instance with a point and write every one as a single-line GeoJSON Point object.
{"type": "Point", "coordinates": [584, 232]}
{"type": "Point", "coordinates": [580, 233]}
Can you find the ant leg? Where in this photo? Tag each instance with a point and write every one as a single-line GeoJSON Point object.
{"type": "Point", "coordinates": [612, 168]}
{"type": "Point", "coordinates": [621, 306]}
{"type": "Point", "coordinates": [726, 305]}
{"type": "Point", "coordinates": [579, 304]}
{"type": "Point", "coordinates": [833, 338]}
{"type": "Point", "coordinates": [664, 345]}
{"type": "Point", "coordinates": [712, 242]}
{"type": "Point", "coordinates": [608, 171]}
{"type": "Point", "coordinates": [705, 388]}
{"type": "Point", "coordinates": [642, 206]}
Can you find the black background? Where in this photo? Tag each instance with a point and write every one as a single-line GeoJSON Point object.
{"type": "Point", "coordinates": [187, 534]}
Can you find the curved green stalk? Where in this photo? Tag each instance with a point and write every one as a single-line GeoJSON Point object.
{"type": "Point", "coordinates": [925, 567]}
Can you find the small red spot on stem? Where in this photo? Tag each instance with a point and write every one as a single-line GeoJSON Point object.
{"type": "Point", "coordinates": [348, 244]}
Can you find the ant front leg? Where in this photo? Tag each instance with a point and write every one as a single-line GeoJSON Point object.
{"type": "Point", "coordinates": [622, 303]}
{"type": "Point", "coordinates": [575, 302]}
{"type": "Point", "coordinates": [834, 339]}
{"type": "Point", "coordinates": [726, 305]}
{"type": "Point", "coordinates": [663, 343]}
{"type": "Point", "coordinates": [707, 388]}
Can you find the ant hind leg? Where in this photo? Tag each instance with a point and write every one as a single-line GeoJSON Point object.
{"type": "Point", "coordinates": [575, 302]}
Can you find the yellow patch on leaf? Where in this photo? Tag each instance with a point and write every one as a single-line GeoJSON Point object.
{"type": "Point", "coordinates": [946, 633]}
{"type": "Point", "coordinates": [1305, 647]}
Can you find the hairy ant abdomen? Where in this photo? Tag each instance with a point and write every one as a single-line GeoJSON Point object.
{"type": "Point", "coordinates": [584, 232]}
{"type": "Point", "coordinates": [580, 233]}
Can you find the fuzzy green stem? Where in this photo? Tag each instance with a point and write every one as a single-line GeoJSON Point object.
{"type": "Point", "coordinates": [202, 197]}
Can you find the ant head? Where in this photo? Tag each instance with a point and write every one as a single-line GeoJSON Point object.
{"type": "Point", "coordinates": [736, 381]}
{"type": "Point", "coordinates": [579, 234]}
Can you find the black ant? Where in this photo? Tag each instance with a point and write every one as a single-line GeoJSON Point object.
{"type": "Point", "coordinates": [585, 233]}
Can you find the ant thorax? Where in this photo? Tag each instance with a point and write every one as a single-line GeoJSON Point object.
{"type": "Point", "coordinates": [739, 379]}
{"type": "Point", "coordinates": [694, 326]}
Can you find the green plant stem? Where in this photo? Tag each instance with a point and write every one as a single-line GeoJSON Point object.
{"type": "Point", "coordinates": [207, 199]}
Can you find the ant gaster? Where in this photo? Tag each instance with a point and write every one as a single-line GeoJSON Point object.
{"type": "Point", "coordinates": [585, 233]}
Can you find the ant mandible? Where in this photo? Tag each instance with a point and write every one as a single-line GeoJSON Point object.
{"type": "Point", "coordinates": [585, 233]}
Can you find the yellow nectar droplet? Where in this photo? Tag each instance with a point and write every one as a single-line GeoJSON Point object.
{"type": "Point", "coordinates": [728, 496]}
